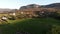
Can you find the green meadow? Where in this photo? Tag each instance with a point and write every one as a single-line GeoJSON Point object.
{"type": "Point", "coordinates": [32, 26]}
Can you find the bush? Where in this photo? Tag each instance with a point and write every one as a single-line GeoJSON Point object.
{"type": "Point", "coordinates": [20, 16]}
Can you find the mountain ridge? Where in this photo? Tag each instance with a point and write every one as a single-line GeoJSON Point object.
{"type": "Point", "coordinates": [53, 5]}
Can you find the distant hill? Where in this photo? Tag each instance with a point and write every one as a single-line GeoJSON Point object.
{"type": "Point", "coordinates": [6, 10]}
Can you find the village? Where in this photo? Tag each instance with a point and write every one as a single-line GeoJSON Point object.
{"type": "Point", "coordinates": [31, 11]}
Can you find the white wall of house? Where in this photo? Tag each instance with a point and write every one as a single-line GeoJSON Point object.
{"type": "Point", "coordinates": [14, 13]}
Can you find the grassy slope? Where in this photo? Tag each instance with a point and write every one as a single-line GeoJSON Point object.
{"type": "Point", "coordinates": [33, 26]}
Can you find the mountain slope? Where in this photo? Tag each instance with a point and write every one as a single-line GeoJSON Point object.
{"type": "Point", "coordinates": [54, 5]}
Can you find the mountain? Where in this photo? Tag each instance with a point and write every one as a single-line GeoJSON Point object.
{"type": "Point", "coordinates": [54, 5]}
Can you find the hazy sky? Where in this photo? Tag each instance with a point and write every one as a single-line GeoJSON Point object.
{"type": "Point", "coordinates": [12, 4]}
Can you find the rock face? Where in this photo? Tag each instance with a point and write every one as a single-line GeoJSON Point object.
{"type": "Point", "coordinates": [33, 6]}
{"type": "Point", "coordinates": [54, 5]}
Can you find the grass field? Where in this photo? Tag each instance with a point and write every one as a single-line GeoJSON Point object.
{"type": "Point", "coordinates": [32, 26]}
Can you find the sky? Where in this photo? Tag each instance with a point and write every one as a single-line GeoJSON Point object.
{"type": "Point", "coordinates": [16, 4]}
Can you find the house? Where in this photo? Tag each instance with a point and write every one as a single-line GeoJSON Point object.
{"type": "Point", "coordinates": [12, 13]}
